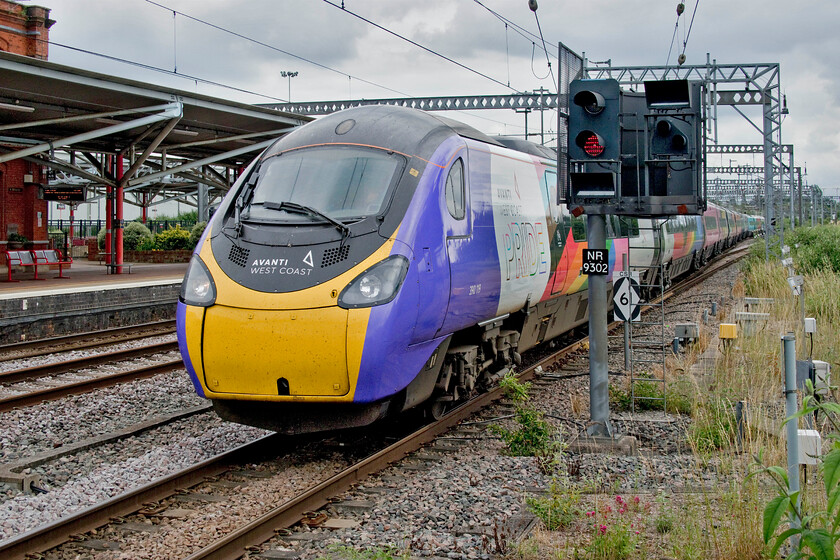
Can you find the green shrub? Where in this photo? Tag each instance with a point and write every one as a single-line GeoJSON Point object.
{"type": "Point", "coordinates": [148, 244]}
{"type": "Point", "coordinates": [818, 248]}
{"type": "Point", "coordinates": [100, 239]}
{"type": "Point", "coordinates": [134, 234]}
{"type": "Point", "coordinates": [815, 534]}
{"type": "Point", "coordinates": [173, 239]}
{"type": "Point", "coordinates": [713, 426]}
{"type": "Point", "coordinates": [533, 436]}
{"type": "Point", "coordinates": [559, 508]}
{"type": "Point", "coordinates": [196, 232]}
{"type": "Point", "coordinates": [616, 542]}
{"type": "Point", "coordinates": [348, 553]}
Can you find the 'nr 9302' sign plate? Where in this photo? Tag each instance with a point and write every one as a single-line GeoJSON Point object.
{"type": "Point", "coordinates": [595, 261]}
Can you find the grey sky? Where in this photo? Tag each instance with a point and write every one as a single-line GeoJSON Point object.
{"type": "Point", "coordinates": [802, 36]}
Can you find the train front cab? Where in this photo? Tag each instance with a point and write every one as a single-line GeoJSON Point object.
{"type": "Point", "coordinates": [291, 324]}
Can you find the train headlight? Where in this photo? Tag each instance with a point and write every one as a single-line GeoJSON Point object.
{"type": "Point", "coordinates": [377, 285]}
{"type": "Point", "coordinates": [198, 287]}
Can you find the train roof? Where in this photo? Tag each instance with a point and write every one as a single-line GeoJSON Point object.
{"type": "Point", "coordinates": [402, 129]}
{"type": "Point", "coordinates": [528, 147]}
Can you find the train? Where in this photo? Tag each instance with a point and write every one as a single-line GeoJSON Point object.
{"type": "Point", "coordinates": [381, 259]}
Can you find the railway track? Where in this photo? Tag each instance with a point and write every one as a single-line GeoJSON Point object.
{"type": "Point", "coordinates": [235, 543]}
{"type": "Point", "coordinates": [84, 341]}
{"type": "Point", "coordinates": [44, 382]}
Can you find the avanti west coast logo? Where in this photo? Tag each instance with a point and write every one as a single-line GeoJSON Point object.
{"type": "Point", "coordinates": [282, 266]}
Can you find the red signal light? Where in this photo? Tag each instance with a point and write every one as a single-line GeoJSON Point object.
{"type": "Point", "coordinates": [593, 146]}
{"type": "Point", "coordinates": [591, 143]}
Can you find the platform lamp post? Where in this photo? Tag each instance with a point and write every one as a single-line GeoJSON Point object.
{"type": "Point", "coordinates": [290, 75]}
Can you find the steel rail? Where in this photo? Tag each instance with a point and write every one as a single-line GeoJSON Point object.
{"type": "Point", "coordinates": [57, 368]}
{"type": "Point", "coordinates": [53, 393]}
{"type": "Point", "coordinates": [28, 349]}
{"type": "Point", "coordinates": [234, 545]}
{"type": "Point", "coordinates": [43, 538]}
{"type": "Point", "coordinates": [59, 532]}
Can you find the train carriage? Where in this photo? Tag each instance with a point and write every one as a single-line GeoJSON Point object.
{"type": "Point", "coordinates": [382, 258]}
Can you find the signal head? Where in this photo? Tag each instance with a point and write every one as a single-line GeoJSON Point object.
{"type": "Point", "coordinates": [668, 137]}
{"type": "Point", "coordinates": [591, 101]}
{"type": "Point", "coordinates": [590, 142]}
{"type": "Point", "coordinates": [663, 128]}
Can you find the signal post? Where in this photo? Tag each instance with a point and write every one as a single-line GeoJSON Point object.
{"type": "Point", "coordinates": [631, 154]}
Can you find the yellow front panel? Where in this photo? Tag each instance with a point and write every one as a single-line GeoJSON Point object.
{"type": "Point", "coordinates": [247, 351]}
{"type": "Point", "coordinates": [193, 319]}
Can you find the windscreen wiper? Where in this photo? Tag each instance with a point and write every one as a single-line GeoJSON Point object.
{"type": "Point", "coordinates": [243, 199]}
{"type": "Point", "coordinates": [301, 209]}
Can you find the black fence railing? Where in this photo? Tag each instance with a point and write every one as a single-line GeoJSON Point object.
{"type": "Point", "coordinates": [90, 228]}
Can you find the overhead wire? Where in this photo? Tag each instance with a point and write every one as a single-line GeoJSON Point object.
{"type": "Point", "coordinates": [161, 70]}
{"type": "Point", "coordinates": [518, 28]}
{"type": "Point", "coordinates": [548, 60]}
{"type": "Point", "coordinates": [416, 44]}
{"type": "Point", "coordinates": [272, 47]}
{"type": "Point", "coordinates": [690, 25]}
{"type": "Point", "coordinates": [197, 79]}
{"type": "Point", "coordinates": [673, 38]}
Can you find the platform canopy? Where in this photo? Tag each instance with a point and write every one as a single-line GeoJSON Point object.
{"type": "Point", "coordinates": [173, 144]}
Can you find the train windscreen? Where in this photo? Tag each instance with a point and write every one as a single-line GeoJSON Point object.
{"type": "Point", "coordinates": [341, 182]}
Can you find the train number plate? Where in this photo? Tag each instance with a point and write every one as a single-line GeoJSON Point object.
{"type": "Point", "coordinates": [595, 261]}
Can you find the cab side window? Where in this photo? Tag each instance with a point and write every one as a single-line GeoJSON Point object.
{"type": "Point", "coordinates": [455, 191]}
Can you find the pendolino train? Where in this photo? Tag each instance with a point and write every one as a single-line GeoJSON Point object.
{"type": "Point", "coordinates": [382, 258]}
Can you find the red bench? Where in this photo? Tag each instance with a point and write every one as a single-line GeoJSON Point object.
{"type": "Point", "coordinates": [21, 258]}
{"type": "Point", "coordinates": [50, 257]}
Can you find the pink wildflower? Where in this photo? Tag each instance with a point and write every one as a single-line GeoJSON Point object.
{"type": "Point", "coordinates": [635, 499]}
{"type": "Point", "coordinates": [619, 500]}
{"type": "Point", "coordinates": [602, 530]}
{"type": "Point", "coordinates": [590, 514]}
{"type": "Point", "coordinates": [608, 509]}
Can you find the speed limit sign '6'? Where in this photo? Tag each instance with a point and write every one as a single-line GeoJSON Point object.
{"type": "Point", "coordinates": [626, 299]}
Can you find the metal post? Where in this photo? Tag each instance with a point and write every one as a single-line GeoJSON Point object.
{"type": "Point", "coordinates": [792, 191]}
{"type": "Point", "coordinates": [802, 305]}
{"type": "Point", "coordinates": [822, 209]}
{"type": "Point", "coordinates": [799, 195]}
{"type": "Point", "coordinates": [626, 268]}
{"type": "Point", "coordinates": [203, 206]}
{"type": "Point", "coordinates": [789, 355]}
{"type": "Point", "coordinates": [109, 218]}
{"type": "Point", "coordinates": [118, 223]}
{"type": "Point", "coordinates": [599, 403]}
{"type": "Point", "coordinates": [768, 173]}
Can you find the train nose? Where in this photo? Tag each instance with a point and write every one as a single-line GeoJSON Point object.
{"type": "Point", "coordinates": [276, 353]}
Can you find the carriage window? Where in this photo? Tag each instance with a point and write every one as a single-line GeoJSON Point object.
{"type": "Point", "coordinates": [455, 195]}
{"type": "Point", "coordinates": [578, 228]}
{"type": "Point", "coordinates": [711, 222]}
{"type": "Point", "coordinates": [612, 227]}
{"type": "Point", "coordinates": [628, 227]}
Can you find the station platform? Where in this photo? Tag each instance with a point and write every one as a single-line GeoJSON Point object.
{"type": "Point", "coordinates": [84, 275]}
{"type": "Point", "coordinates": [88, 300]}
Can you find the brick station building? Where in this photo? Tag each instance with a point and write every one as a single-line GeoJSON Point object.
{"type": "Point", "coordinates": [23, 30]}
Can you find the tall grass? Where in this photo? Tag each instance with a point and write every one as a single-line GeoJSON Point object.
{"type": "Point", "coordinates": [725, 522]}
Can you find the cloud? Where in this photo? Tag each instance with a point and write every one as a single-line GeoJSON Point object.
{"type": "Point", "coordinates": [801, 37]}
